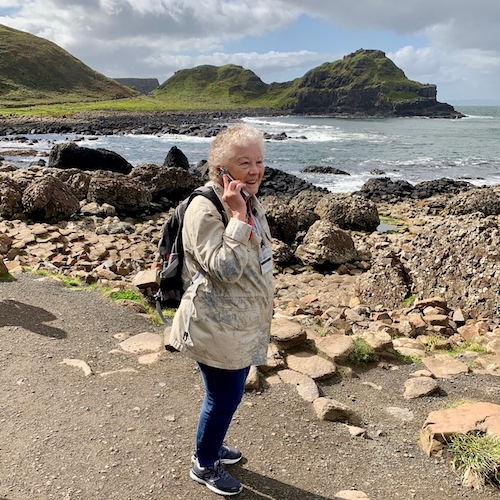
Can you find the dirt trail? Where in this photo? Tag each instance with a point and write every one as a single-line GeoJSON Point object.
{"type": "Point", "coordinates": [129, 434]}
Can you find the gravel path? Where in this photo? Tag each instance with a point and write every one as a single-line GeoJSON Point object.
{"type": "Point", "coordinates": [129, 434]}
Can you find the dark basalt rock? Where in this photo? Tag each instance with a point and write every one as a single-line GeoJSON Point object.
{"type": "Point", "coordinates": [319, 169]}
{"type": "Point", "coordinates": [70, 155]}
{"type": "Point", "coordinates": [176, 158]}
{"type": "Point", "coordinates": [384, 189]}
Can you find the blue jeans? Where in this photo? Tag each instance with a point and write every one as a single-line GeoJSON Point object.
{"type": "Point", "coordinates": [223, 393]}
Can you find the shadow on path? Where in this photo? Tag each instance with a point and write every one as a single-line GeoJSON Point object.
{"type": "Point", "coordinates": [258, 487]}
{"type": "Point", "coordinates": [14, 313]}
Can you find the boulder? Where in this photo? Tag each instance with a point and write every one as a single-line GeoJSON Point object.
{"type": "Point", "coordinates": [312, 365]}
{"type": "Point", "coordinates": [173, 183]}
{"type": "Point", "coordinates": [71, 155]}
{"type": "Point", "coordinates": [387, 282]}
{"type": "Point", "coordinates": [76, 179]}
{"type": "Point", "coordinates": [334, 411]}
{"type": "Point", "coordinates": [326, 244]}
{"type": "Point", "coordinates": [176, 158]}
{"type": "Point", "coordinates": [440, 426]}
{"type": "Point", "coordinates": [304, 204]}
{"type": "Point", "coordinates": [10, 197]}
{"type": "Point", "coordinates": [484, 200]}
{"type": "Point", "coordinates": [349, 211]}
{"type": "Point", "coordinates": [127, 195]}
{"type": "Point", "coordinates": [282, 219]}
{"type": "Point", "coordinates": [322, 169]}
{"type": "Point", "coordinates": [50, 200]}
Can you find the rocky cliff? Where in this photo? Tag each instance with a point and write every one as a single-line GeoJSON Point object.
{"type": "Point", "coordinates": [367, 83]}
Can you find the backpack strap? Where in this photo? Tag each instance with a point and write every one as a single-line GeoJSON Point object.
{"type": "Point", "coordinates": [211, 195]}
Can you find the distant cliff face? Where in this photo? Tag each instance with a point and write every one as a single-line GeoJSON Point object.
{"type": "Point", "coordinates": [366, 83]}
{"type": "Point", "coordinates": [143, 85]}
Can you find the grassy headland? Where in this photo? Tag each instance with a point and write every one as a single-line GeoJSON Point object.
{"type": "Point", "coordinates": [38, 78]}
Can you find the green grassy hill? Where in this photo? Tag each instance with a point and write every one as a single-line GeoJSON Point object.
{"type": "Point", "coordinates": [38, 77]}
{"type": "Point", "coordinates": [34, 70]}
{"type": "Point", "coordinates": [218, 87]}
{"type": "Point", "coordinates": [363, 83]}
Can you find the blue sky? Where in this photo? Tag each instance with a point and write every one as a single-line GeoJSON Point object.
{"type": "Point", "coordinates": [445, 42]}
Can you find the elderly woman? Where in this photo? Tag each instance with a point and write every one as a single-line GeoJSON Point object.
{"type": "Point", "coordinates": [224, 319]}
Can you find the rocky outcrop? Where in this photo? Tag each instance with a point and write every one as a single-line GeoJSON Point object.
{"type": "Point", "coordinates": [383, 189]}
{"type": "Point", "coordinates": [326, 245]}
{"type": "Point", "coordinates": [70, 155]}
{"type": "Point", "coordinates": [49, 200]}
{"type": "Point", "coordinates": [349, 211]}
{"type": "Point", "coordinates": [367, 83]}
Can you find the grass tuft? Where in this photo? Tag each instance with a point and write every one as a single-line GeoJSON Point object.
{"type": "Point", "coordinates": [362, 354]}
{"type": "Point", "coordinates": [477, 458]}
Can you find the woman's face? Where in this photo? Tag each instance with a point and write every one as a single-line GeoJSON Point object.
{"type": "Point", "coordinates": [247, 165]}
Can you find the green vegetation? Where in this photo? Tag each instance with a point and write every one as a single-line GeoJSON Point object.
{"type": "Point", "coordinates": [38, 78]}
{"type": "Point", "coordinates": [362, 354]}
{"type": "Point", "coordinates": [477, 458]}
{"type": "Point", "coordinates": [456, 403]}
{"type": "Point", "coordinates": [466, 346]}
{"type": "Point", "coordinates": [6, 276]}
{"type": "Point", "coordinates": [36, 71]}
{"type": "Point", "coordinates": [408, 301]}
{"type": "Point", "coordinates": [114, 294]}
{"type": "Point", "coordinates": [407, 360]}
{"type": "Point", "coordinates": [71, 281]}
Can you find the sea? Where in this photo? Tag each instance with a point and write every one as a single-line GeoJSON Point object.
{"type": "Point", "coordinates": [410, 149]}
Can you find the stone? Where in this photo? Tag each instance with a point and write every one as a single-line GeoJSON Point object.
{"type": "Point", "coordinates": [409, 347]}
{"type": "Point", "coordinates": [336, 347]}
{"type": "Point", "coordinates": [149, 359]}
{"type": "Point", "coordinates": [142, 342]}
{"type": "Point", "coordinates": [117, 372]}
{"type": "Point", "coordinates": [287, 334]}
{"type": "Point", "coordinates": [49, 199]}
{"type": "Point", "coordinates": [419, 387]}
{"type": "Point", "coordinates": [252, 382]}
{"type": "Point", "coordinates": [326, 243]}
{"type": "Point", "coordinates": [312, 365]}
{"type": "Point", "coordinates": [440, 426]}
{"type": "Point", "coordinates": [306, 387]}
{"type": "Point", "coordinates": [469, 332]}
{"type": "Point", "coordinates": [3, 267]}
{"type": "Point", "coordinates": [71, 155]}
{"type": "Point", "coordinates": [404, 414]}
{"type": "Point", "coordinates": [334, 411]}
{"type": "Point", "coordinates": [489, 363]}
{"type": "Point", "coordinates": [274, 359]}
{"type": "Point", "coordinates": [444, 366]}
{"type": "Point", "coordinates": [78, 363]}
{"type": "Point", "coordinates": [351, 495]}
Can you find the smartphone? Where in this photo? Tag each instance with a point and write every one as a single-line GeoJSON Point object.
{"type": "Point", "coordinates": [244, 192]}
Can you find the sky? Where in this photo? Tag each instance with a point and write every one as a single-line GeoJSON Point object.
{"type": "Point", "coordinates": [454, 44]}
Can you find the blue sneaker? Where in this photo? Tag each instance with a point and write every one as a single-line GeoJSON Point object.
{"type": "Point", "coordinates": [227, 456]}
{"type": "Point", "coordinates": [216, 479]}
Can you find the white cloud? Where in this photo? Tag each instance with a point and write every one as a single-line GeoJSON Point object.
{"type": "Point", "coordinates": [154, 38]}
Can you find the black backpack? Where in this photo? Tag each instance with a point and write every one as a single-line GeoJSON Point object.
{"type": "Point", "coordinates": [172, 252]}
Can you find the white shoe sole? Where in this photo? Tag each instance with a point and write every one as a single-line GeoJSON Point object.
{"type": "Point", "coordinates": [211, 487]}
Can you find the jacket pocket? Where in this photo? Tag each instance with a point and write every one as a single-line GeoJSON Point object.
{"type": "Point", "coordinates": [239, 314]}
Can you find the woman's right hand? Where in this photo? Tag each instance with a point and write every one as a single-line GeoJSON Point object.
{"type": "Point", "coordinates": [233, 197]}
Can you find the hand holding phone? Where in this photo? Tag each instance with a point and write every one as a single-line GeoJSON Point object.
{"type": "Point", "coordinates": [243, 191]}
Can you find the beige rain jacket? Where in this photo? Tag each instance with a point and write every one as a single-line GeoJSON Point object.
{"type": "Point", "coordinates": [225, 321]}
